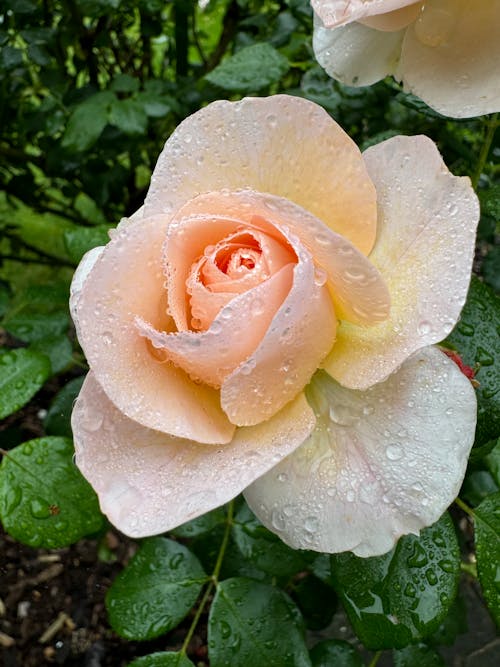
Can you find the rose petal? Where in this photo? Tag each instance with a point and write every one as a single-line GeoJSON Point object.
{"type": "Point", "coordinates": [149, 482]}
{"type": "Point", "coordinates": [357, 289]}
{"type": "Point", "coordinates": [356, 54]}
{"type": "Point", "coordinates": [339, 12]}
{"type": "Point", "coordinates": [210, 356]}
{"type": "Point", "coordinates": [396, 20]}
{"type": "Point", "coordinates": [127, 281]}
{"type": "Point", "coordinates": [450, 57]}
{"type": "Point", "coordinates": [380, 464]}
{"type": "Point", "coordinates": [79, 277]}
{"type": "Point", "coordinates": [299, 337]}
{"type": "Point", "coordinates": [283, 145]}
{"type": "Point", "coordinates": [425, 245]}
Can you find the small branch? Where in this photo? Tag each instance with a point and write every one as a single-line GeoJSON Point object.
{"type": "Point", "coordinates": [491, 126]}
{"type": "Point", "coordinates": [230, 26]}
{"type": "Point", "coordinates": [213, 580]}
{"type": "Point", "coordinates": [375, 659]}
{"type": "Point", "coordinates": [465, 508]}
{"type": "Point", "coordinates": [469, 568]}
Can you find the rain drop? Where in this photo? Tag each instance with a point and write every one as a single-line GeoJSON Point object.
{"type": "Point", "coordinates": [394, 452]}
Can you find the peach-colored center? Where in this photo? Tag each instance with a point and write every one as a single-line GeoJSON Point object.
{"type": "Point", "coordinates": [237, 263]}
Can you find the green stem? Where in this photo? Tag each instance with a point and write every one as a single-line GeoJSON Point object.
{"type": "Point", "coordinates": [491, 126]}
{"type": "Point", "coordinates": [469, 568]}
{"type": "Point", "coordinates": [375, 659]}
{"type": "Point", "coordinates": [213, 579]}
{"type": "Point", "coordinates": [468, 510]}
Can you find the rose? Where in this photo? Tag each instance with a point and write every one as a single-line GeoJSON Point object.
{"type": "Point", "coordinates": [444, 51]}
{"type": "Point", "coordinates": [212, 307]}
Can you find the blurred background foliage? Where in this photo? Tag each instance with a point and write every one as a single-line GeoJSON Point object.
{"type": "Point", "coordinates": [90, 91]}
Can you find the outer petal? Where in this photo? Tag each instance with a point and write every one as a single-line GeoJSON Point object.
{"type": "Point", "coordinates": [126, 281]}
{"type": "Point", "coordinates": [380, 464]}
{"type": "Point", "coordinates": [424, 250]}
{"type": "Point", "coordinates": [283, 145]}
{"type": "Point", "coordinates": [149, 482]}
{"type": "Point", "coordinates": [451, 57]}
{"type": "Point", "coordinates": [339, 12]}
{"type": "Point", "coordinates": [79, 277]}
{"type": "Point", "coordinates": [356, 54]}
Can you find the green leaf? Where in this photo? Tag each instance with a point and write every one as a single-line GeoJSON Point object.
{"type": "Point", "coordinates": [155, 591]}
{"type": "Point", "coordinates": [417, 656]}
{"type": "Point", "coordinates": [32, 326]}
{"type": "Point", "coordinates": [490, 268]}
{"type": "Point", "coordinates": [401, 597]}
{"type": "Point", "coordinates": [81, 239]}
{"type": "Point", "coordinates": [476, 337]}
{"type": "Point", "coordinates": [490, 201]}
{"type": "Point", "coordinates": [43, 231]}
{"type": "Point", "coordinates": [22, 373]}
{"type": "Point", "coordinates": [250, 69]}
{"type": "Point", "coordinates": [335, 652]}
{"type": "Point", "coordinates": [57, 420]}
{"type": "Point", "coordinates": [128, 116]}
{"type": "Point", "coordinates": [202, 524]}
{"type": "Point", "coordinates": [87, 122]}
{"type": "Point", "coordinates": [57, 348]}
{"type": "Point", "coordinates": [251, 623]}
{"type": "Point", "coordinates": [44, 500]}
{"type": "Point", "coordinates": [487, 537]}
{"type": "Point", "coordinates": [166, 659]}
{"type": "Point", "coordinates": [264, 549]}
{"type": "Point", "coordinates": [318, 87]}
{"type": "Point", "coordinates": [124, 83]}
{"type": "Point", "coordinates": [38, 312]}
{"type": "Point", "coordinates": [493, 462]}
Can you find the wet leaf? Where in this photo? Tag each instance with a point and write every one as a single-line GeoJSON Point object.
{"type": "Point", "coordinates": [265, 549]}
{"type": "Point", "coordinates": [44, 500]}
{"type": "Point", "coordinates": [476, 338]}
{"type": "Point", "coordinates": [417, 656]}
{"type": "Point", "coordinates": [155, 591]}
{"type": "Point", "coordinates": [166, 659]}
{"type": "Point", "coordinates": [81, 239]}
{"type": "Point", "coordinates": [57, 420]}
{"type": "Point", "coordinates": [335, 652]}
{"type": "Point", "coordinates": [87, 121]}
{"type": "Point", "coordinates": [22, 373]}
{"type": "Point", "coordinates": [401, 597]}
{"type": "Point", "coordinates": [202, 524]}
{"type": "Point", "coordinates": [487, 537]}
{"type": "Point", "coordinates": [57, 348]}
{"type": "Point", "coordinates": [250, 69]}
{"type": "Point", "coordinates": [251, 623]}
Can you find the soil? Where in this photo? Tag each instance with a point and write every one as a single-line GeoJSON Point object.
{"type": "Point", "coordinates": [52, 612]}
{"type": "Point", "coordinates": [52, 608]}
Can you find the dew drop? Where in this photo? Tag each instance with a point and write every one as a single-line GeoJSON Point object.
{"type": "Point", "coordinates": [394, 452]}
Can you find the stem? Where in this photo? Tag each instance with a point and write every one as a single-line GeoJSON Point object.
{"type": "Point", "coordinates": [469, 568]}
{"type": "Point", "coordinates": [213, 579]}
{"type": "Point", "coordinates": [181, 17]}
{"type": "Point", "coordinates": [491, 125]}
{"type": "Point", "coordinates": [468, 510]}
{"type": "Point", "coordinates": [375, 659]}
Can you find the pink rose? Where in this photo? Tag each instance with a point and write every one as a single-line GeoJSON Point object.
{"type": "Point", "coordinates": [269, 247]}
{"type": "Point", "coordinates": [445, 51]}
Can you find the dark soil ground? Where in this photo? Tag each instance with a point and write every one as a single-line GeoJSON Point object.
{"type": "Point", "coordinates": [52, 613]}
{"type": "Point", "coordinates": [52, 608]}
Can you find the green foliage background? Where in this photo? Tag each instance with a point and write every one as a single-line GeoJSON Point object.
{"type": "Point", "coordinates": [90, 90]}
